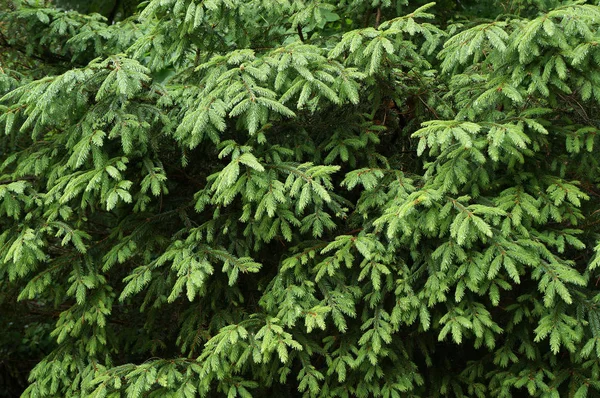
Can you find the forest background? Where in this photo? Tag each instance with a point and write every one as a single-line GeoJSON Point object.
{"type": "Point", "coordinates": [316, 198]}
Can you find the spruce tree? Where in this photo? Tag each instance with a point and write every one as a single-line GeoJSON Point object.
{"type": "Point", "coordinates": [312, 198]}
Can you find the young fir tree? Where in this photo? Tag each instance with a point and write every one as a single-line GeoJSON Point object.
{"type": "Point", "coordinates": [355, 198]}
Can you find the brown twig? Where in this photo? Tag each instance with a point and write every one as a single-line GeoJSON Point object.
{"type": "Point", "coordinates": [378, 17]}
{"type": "Point", "coordinates": [300, 34]}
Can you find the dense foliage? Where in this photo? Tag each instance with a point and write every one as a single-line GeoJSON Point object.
{"type": "Point", "coordinates": [316, 198]}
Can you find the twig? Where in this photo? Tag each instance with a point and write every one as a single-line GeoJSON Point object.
{"type": "Point", "coordinates": [114, 12]}
{"type": "Point", "coordinates": [378, 17]}
{"type": "Point", "coordinates": [300, 34]}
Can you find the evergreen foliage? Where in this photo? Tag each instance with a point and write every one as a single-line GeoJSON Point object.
{"type": "Point", "coordinates": [354, 198]}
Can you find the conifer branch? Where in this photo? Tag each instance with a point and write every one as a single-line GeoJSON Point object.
{"type": "Point", "coordinates": [385, 184]}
